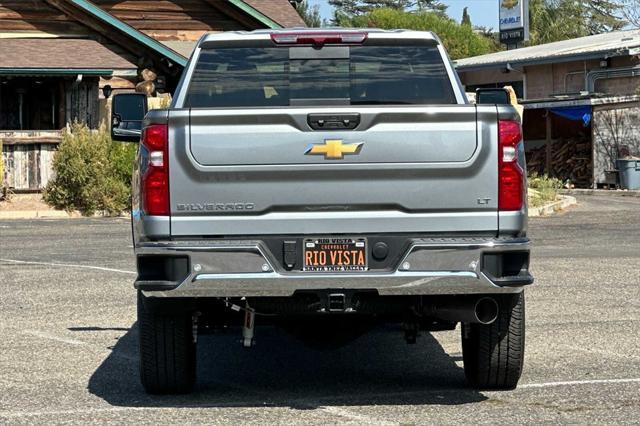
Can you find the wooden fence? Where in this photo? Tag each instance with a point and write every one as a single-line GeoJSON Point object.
{"type": "Point", "coordinates": [27, 158]}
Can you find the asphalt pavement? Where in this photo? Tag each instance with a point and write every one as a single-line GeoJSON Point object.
{"type": "Point", "coordinates": [68, 341]}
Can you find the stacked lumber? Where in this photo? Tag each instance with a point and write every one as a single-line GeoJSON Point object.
{"type": "Point", "coordinates": [536, 161]}
{"type": "Point", "coordinates": [570, 161]}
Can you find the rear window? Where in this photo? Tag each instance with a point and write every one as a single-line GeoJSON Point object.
{"type": "Point", "coordinates": [368, 75]}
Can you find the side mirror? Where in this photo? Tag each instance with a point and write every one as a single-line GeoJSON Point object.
{"type": "Point", "coordinates": [127, 112]}
{"type": "Point", "coordinates": [493, 97]}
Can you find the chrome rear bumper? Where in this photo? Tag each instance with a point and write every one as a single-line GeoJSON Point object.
{"type": "Point", "coordinates": [439, 266]}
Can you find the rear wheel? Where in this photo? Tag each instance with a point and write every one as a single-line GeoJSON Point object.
{"type": "Point", "coordinates": [494, 354]}
{"type": "Point", "coordinates": [167, 349]}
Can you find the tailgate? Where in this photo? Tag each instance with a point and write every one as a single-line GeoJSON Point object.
{"type": "Point", "coordinates": [423, 169]}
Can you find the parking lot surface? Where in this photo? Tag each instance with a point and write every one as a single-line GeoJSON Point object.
{"type": "Point", "coordinates": [68, 347]}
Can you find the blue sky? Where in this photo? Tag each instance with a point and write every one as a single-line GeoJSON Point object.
{"type": "Point", "coordinates": [483, 12]}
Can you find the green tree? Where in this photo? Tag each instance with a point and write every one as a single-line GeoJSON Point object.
{"type": "Point", "coordinates": [466, 19]}
{"type": "Point", "coordinates": [358, 7]}
{"type": "Point", "coordinates": [603, 16]}
{"type": "Point", "coordinates": [492, 36]}
{"type": "Point", "coordinates": [631, 12]}
{"type": "Point", "coordinates": [460, 40]}
{"type": "Point", "coordinates": [554, 20]}
{"type": "Point", "coordinates": [369, 5]}
{"type": "Point", "coordinates": [346, 7]}
{"type": "Point", "coordinates": [310, 15]}
{"type": "Point", "coordinates": [432, 6]}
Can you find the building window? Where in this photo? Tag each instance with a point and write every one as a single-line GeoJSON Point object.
{"type": "Point", "coordinates": [29, 103]}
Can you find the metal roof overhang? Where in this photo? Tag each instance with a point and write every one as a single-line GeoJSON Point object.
{"type": "Point", "coordinates": [544, 61]}
{"type": "Point", "coordinates": [556, 103]}
{"type": "Point", "coordinates": [578, 101]}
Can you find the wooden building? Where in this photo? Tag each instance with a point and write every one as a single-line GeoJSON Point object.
{"type": "Point", "coordinates": [58, 56]}
{"type": "Point", "coordinates": [581, 100]}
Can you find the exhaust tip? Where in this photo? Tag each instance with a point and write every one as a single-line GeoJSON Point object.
{"type": "Point", "coordinates": [486, 310]}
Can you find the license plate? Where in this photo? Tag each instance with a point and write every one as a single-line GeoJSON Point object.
{"type": "Point", "coordinates": [335, 254]}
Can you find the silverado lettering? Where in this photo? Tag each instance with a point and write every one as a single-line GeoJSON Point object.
{"type": "Point", "coordinates": [215, 206]}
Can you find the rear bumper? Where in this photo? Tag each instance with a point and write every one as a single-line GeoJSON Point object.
{"type": "Point", "coordinates": [438, 266]}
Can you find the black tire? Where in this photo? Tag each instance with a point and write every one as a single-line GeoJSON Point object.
{"type": "Point", "coordinates": [167, 349]}
{"type": "Point", "coordinates": [494, 354]}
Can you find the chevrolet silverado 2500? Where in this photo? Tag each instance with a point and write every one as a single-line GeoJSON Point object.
{"type": "Point", "coordinates": [326, 181]}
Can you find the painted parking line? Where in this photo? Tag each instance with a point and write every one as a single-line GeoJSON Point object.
{"type": "Point", "coordinates": [16, 414]}
{"type": "Point", "coordinates": [68, 265]}
{"type": "Point", "coordinates": [75, 342]}
{"type": "Point", "coordinates": [49, 336]}
{"type": "Point", "coordinates": [355, 417]}
{"type": "Point", "coordinates": [526, 386]}
{"type": "Point", "coordinates": [577, 383]}
{"type": "Point", "coordinates": [333, 410]}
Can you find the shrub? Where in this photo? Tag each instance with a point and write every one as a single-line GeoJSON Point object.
{"type": "Point", "coordinates": [92, 173]}
{"type": "Point", "coordinates": [543, 189]}
{"type": "Point", "coordinates": [1, 167]}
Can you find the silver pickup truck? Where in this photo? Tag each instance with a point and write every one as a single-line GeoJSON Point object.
{"type": "Point", "coordinates": [327, 181]}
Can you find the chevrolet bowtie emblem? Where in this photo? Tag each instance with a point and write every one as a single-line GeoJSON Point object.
{"type": "Point", "coordinates": [334, 149]}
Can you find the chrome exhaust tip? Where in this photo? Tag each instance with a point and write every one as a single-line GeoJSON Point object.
{"type": "Point", "coordinates": [483, 310]}
{"type": "Point", "coordinates": [486, 310]}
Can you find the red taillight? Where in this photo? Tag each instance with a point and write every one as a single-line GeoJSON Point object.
{"type": "Point", "coordinates": [319, 38]}
{"type": "Point", "coordinates": [155, 180]}
{"type": "Point", "coordinates": [511, 190]}
{"type": "Point", "coordinates": [154, 137]}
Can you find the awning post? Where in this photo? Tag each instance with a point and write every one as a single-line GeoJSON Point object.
{"type": "Point", "coordinates": [548, 145]}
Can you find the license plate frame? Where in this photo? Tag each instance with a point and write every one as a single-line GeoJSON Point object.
{"type": "Point", "coordinates": [341, 254]}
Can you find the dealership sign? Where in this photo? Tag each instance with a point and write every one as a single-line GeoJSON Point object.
{"type": "Point", "coordinates": [514, 21]}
